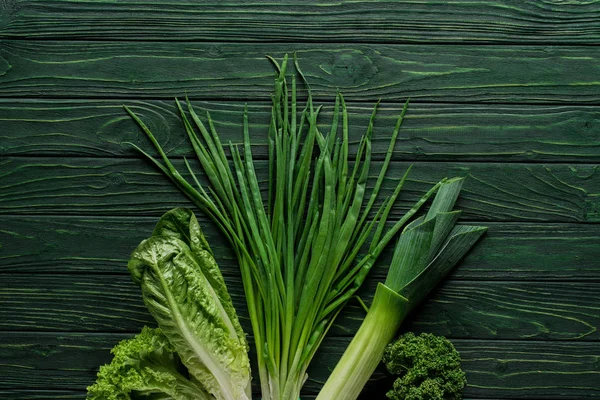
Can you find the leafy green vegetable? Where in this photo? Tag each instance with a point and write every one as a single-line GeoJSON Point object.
{"type": "Point", "coordinates": [299, 247]}
{"type": "Point", "coordinates": [200, 335]}
{"type": "Point", "coordinates": [173, 268]}
{"type": "Point", "coordinates": [428, 367]}
{"type": "Point", "coordinates": [427, 250]}
{"type": "Point", "coordinates": [145, 367]}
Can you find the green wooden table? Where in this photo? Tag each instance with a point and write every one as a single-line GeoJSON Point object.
{"type": "Point", "coordinates": [505, 93]}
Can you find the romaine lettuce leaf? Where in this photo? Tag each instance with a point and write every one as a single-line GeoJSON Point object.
{"type": "Point", "coordinates": [186, 294]}
{"type": "Point", "coordinates": [182, 224]}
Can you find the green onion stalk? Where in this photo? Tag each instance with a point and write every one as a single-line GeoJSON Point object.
{"type": "Point", "coordinates": [427, 250]}
{"type": "Point", "coordinates": [306, 247]}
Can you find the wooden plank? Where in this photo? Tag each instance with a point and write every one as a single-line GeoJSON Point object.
{"type": "Point", "coordinates": [495, 369]}
{"type": "Point", "coordinates": [543, 370]}
{"type": "Point", "coordinates": [430, 132]}
{"type": "Point", "coordinates": [358, 21]}
{"type": "Point", "coordinates": [32, 394]}
{"type": "Point", "coordinates": [496, 192]}
{"type": "Point", "coordinates": [508, 251]}
{"type": "Point", "coordinates": [492, 74]}
{"type": "Point", "coordinates": [459, 309]}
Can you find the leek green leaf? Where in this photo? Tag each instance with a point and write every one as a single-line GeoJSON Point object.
{"type": "Point", "coordinates": [458, 243]}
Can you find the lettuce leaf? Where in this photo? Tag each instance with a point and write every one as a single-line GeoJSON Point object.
{"type": "Point", "coordinates": [186, 294]}
{"type": "Point", "coordinates": [145, 367]}
{"type": "Point", "coordinates": [181, 223]}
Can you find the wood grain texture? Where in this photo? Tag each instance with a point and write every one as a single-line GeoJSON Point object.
{"type": "Point", "coordinates": [491, 74]}
{"type": "Point", "coordinates": [508, 251]}
{"type": "Point", "coordinates": [459, 309]}
{"type": "Point", "coordinates": [492, 192]}
{"type": "Point", "coordinates": [495, 369]}
{"type": "Point", "coordinates": [523, 371]}
{"type": "Point", "coordinates": [402, 21]}
{"type": "Point", "coordinates": [430, 132]}
{"type": "Point", "coordinates": [32, 394]}
{"type": "Point", "coordinates": [505, 93]}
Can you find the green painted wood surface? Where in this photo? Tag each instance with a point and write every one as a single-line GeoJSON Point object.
{"type": "Point", "coordinates": [299, 21]}
{"type": "Point", "coordinates": [504, 93]}
{"type": "Point", "coordinates": [45, 244]}
{"type": "Point", "coordinates": [25, 394]}
{"type": "Point", "coordinates": [109, 186]}
{"type": "Point", "coordinates": [490, 74]}
{"type": "Point", "coordinates": [430, 132]}
{"type": "Point", "coordinates": [459, 309]}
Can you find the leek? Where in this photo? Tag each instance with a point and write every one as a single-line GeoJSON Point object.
{"type": "Point", "coordinates": [427, 250]}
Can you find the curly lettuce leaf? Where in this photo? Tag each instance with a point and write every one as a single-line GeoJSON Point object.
{"type": "Point", "coordinates": [145, 367]}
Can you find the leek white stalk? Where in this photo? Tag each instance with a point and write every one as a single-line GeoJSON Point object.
{"type": "Point", "coordinates": [366, 349]}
